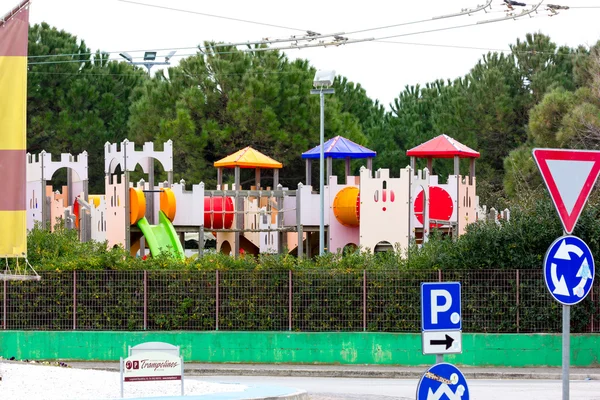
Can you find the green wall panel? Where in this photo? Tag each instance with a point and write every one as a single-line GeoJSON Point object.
{"type": "Point", "coordinates": [511, 350]}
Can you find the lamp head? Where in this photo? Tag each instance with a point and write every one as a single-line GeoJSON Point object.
{"type": "Point", "coordinates": [126, 56]}
{"type": "Point", "coordinates": [150, 56]}
{"type": "Point", "coordinates": [323, 78]}
{"type": "Point", "coordinates": [171, 54]}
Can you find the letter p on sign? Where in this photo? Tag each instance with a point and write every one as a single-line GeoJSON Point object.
{"type": "Point", "coordinates": [440, 306]}
{"type": "Point", "coordinates": [437, 306]}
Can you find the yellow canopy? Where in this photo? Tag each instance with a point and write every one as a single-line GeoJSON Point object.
{"type": "Point", "coordinates": [248, 158]}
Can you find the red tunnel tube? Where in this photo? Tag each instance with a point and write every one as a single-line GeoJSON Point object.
{"type": "Point", "coordinates": [218, 212]}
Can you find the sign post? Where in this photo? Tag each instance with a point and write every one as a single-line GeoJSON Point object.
{"type": "Point", "coordinates": [570, 176]}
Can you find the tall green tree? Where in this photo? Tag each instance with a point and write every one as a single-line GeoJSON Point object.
{"type": "Point", "coordinates": [488, 109]}
{"type": "Point", "coordinates": [563, 118]}
{"type": "Point", "coordinates": [543, 65]}
{"type": "Point", "coordinates": [223, 99]}
{"type": "Point", "coordinates": [77, 100]}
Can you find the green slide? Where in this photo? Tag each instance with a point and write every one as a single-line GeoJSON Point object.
{"type": "Point", "coordinates": [161, 237]}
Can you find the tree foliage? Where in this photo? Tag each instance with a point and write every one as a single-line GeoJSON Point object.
{"type": "Point", "coordinates": [489, 108]}
{"type": "Point", "coordinates": [563, 118]}
{"type": "Point", "coordinates": [222, 100]}
{"type": "Point", "coordinates": [77, 100]}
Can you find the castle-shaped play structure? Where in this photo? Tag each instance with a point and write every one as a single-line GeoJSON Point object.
{"type": "Point", "coordinates": [374, 211]}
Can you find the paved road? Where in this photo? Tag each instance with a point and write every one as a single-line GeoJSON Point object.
{"type": "Point", "coordinates": [359, 371]}
{"type": "Point", "coordinates": [405, 389]}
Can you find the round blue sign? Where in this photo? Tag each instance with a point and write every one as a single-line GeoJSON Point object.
{"type": "Point", "coordinates": [569, 270]}
{"type": "Point", "coordinates": [443, 381]}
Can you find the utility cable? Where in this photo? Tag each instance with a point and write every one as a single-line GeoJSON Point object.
{"type": "Point", "coordinates": [299, 47]}
{"type": "Point", "coordinates": [348, 41]}
{"type": "Point", "coordinates": [461, 13]}
{"type": "Point", "coordinates": [211, 15]}
{"type": "Point", "coordinates": [343, 42]}
{"type": "Point", "coordinates": [311, 36]}
{"type": "Point", "coordinates": [314, 35]}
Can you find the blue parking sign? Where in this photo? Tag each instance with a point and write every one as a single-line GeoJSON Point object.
{"type": "Point", "coordinates": [440, 306]}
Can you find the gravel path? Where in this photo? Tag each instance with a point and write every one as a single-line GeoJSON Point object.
{"type": "Point", "coordinates": [40, 382]}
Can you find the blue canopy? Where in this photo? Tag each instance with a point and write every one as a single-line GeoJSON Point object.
{"type": "Point", "coordinates": [340, 147]}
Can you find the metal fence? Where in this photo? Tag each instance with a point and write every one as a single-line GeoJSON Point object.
{"type": "Point", "coordinates": [277, 300]}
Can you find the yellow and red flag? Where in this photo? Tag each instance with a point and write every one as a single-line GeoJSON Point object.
{"type": "Point", "coordinates": [14, 28]}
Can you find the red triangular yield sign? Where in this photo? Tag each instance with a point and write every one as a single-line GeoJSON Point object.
{"type": "Point", "coordinates": [570, 176]}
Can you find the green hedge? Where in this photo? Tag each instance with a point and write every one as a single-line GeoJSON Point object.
{"type": "Point", "coordinates": [518, 244]}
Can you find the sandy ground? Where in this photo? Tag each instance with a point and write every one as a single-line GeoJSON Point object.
{"type": "Point", "coordinates": [41, 382]}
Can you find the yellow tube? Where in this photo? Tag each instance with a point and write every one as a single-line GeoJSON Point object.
{"type": "Point", "coordinates": [346, 206]}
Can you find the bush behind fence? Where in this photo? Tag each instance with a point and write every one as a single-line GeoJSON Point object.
{"type": "Point", "coordinates": [506, 301]}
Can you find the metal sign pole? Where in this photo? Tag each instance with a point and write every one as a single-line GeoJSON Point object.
{"type": "Point", "coordinates": [566, 347]}
{"type": "Point", "coordinates": [439, 358]}
{"type": "Point", "coordinates": [558, 167]}
{"type": "Point", "coordinates": [566, 350]}
{"type": "Point", "coordinates": [121, 373]}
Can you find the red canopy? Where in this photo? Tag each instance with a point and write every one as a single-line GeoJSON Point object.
{"type": "Point", "coordinates": [442, 146]}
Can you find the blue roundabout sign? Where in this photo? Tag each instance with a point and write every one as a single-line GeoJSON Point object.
{"type": "Point", "coordinates": [443, 381]}
{"type": "Point", "coordinates": [569, 270]}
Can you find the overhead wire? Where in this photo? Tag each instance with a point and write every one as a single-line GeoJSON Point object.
{"type": "Point", "coordinates": [459, 14]}
{"type": "Point", "coordinates": [352, 41]}
{"type": "Point", "coordinates": [320, 44]}
{"type": "Point", "coordinates": [317, 36]}
{"type": "Point", "coordinates": [331, 44]}
{"type": "Point", "coordinates": [459, 47]}
{"type": "Point", "coordinates": [114, 52]}
{"type": "Point", "coordinates": [310, 37]}
{"type": "Point", "coordinates": [212, 15]}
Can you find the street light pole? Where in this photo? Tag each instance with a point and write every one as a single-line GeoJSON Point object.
{"type": "Point", "coordinates": [322, 178]}
{"type": "Point", "coordinates": [149, 60]}
{"type": "Point", "coordinates": [322, 80]}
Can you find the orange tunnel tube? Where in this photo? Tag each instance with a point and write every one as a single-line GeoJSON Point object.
{"type": "Point", "coordinates": [137, 205]}
{"type": "Point", "coordinates": [346, 206]}
{"type": "Point", "coordinates": [218, 212]}
{"type": "Point", "coordinates": [168, 204]}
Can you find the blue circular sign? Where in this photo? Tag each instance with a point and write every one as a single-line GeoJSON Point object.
{"type": "Point", "coordinates": [569, 270]}
{"type": "Point", "coordinates": [443, 381]}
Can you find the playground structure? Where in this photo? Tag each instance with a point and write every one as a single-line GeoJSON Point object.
{"type": "Point", "coordinates": [374, 211]}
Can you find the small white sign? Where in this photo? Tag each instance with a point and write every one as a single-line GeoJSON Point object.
{"type": "Point", "coordinates": [442, 342]}
{"type": "Point", "coordinates": [152, 366]}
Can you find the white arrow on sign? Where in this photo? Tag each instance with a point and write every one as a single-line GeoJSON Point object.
{"type": "Point", "coordinates": [560, 286]}
{"type": "Point", "coordinates": [583, 273]}
{"type": "Point", "coordinates": [564, 249]}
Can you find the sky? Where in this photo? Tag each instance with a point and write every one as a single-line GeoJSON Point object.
{"type": "Point", "coordinates": [383, 67]}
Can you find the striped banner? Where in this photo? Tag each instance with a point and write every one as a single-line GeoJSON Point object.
{"type": "Point", "coordinates": [14, 28]}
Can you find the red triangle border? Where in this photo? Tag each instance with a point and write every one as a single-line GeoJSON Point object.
{"type": "Point", "coordinates": [541, 157]}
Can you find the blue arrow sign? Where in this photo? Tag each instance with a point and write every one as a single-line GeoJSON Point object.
{"type": "Point", "coordinates": [443, 382]}
{"type": "Point", "coordinates": [569, 270]}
